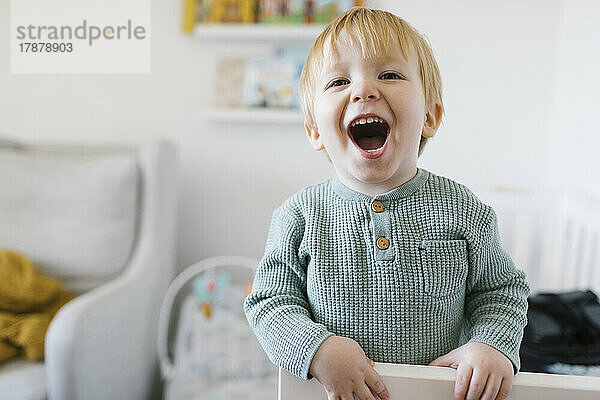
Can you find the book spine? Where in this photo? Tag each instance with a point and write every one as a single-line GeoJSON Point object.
{"type": "Point", "coordinates": [189, 17]}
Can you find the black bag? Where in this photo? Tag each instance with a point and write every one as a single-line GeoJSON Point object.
{"type": "Point", "coordinates": [562, 328]}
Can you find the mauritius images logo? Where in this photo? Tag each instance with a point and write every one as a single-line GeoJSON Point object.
{"type": "Point", "coordinates": [73, 36]}
{"type": "Point", "coordinates": [86, 31]}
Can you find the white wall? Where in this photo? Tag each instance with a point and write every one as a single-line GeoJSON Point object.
{"type": "Point", "coordinates": [107, 107]}
{"type": "Point", "coordinates": [517, 97]}
{"type": "Point", "coordinates": [496, 60]}
{"type": "Point", "coordinates": [573, 122]}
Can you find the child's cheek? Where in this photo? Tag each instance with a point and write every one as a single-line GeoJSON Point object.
{"type": "Point", "coordinates": [329, 118]}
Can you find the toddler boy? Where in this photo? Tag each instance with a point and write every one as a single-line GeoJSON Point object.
{"type": "Point", "coordinates": [385, 262]}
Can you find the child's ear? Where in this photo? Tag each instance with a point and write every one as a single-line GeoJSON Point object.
{"type": "Point", "coordinates": [433, 118]}
{"type": "Point", "coordinates": [313, 137]}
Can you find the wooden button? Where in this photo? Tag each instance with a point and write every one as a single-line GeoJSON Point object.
{"type": "Point", "coordinates": [377, 206]}
{"type": "Point", "coordinates": [383, 243]}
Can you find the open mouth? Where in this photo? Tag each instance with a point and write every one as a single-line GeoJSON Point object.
{"type": "Point", "coordinates": [369, 133]}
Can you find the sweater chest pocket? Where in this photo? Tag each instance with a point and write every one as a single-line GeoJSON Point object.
{"type": "Point", "coordinates": [445, 265]}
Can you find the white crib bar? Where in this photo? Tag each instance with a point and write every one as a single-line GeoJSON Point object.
{"type": "Point", "coordinates": [432, 383]}
{"type": "Point", "coordinates": [553, 236]}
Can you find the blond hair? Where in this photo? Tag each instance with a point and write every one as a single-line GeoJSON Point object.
{"type": "Point", "coordinates": [373, 30]}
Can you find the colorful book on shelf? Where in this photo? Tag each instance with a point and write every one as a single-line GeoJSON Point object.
{"type": "Point", "coordinates": [195, 12]}
{"type": "Point", "coordinates": [218, 11]}
{"type": "Point", "coordinates": [303, 11]}
{"type": "Point", "coordinates": [230, 74]}
{"type": "Point", "coordinates": [282, 12]}
{"type": "Point", "coordinates": [232, 11]}
{"type": "Point", "coordinates": [325, 10]}
{"type": "Point", "coordinates": [272, 82]}
{"type": "Point", "coordinates": [263, 11]}
{"type": "Point", "coordinates": [189, 18]}
{"type": "Point", "coordinates": [269, 82]}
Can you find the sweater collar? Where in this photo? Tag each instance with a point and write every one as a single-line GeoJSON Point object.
{"type": "Point", "coordinates": [406, 189]}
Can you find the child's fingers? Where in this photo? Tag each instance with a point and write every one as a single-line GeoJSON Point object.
{"type": "Point", "coordinates": [364, 393]}
{"type": "Point", "coordinates": [492, 387]}
{"type": "Point", "coordinates": [477, 384]}
{"type": "Point", "coordinates": [463, 377]}
{"type": "Point", "coordinates": [505, 388]}
{"type": "Point", "coordinates": [347, 396]}
{"type": "Point", "coordinates": [333, 395]}
{"type": "Point", "coordinates": [375, 383]}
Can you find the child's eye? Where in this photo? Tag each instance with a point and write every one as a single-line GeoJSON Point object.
{"type": "Point", "coordinates": [390, 75]}
{"type": "Point", "coordinates": [339, 82]}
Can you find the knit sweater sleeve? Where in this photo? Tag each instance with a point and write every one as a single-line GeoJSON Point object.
{"type": "Point", "coordinates": [277, 307]}
{"type": "Point", "coordinates": [496, 297]}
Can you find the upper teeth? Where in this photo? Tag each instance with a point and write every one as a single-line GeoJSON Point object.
{"type": "Point", "coordinates": [367, 120]}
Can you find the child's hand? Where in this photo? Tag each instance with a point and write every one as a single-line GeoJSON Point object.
{"type": "Point", "coordinates": [482, 370]}
{"type": "Point", "coordinates": [342, 367]}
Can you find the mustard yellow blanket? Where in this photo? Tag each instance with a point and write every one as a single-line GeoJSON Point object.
{"type": "Point", "coordinates": [28, 301]}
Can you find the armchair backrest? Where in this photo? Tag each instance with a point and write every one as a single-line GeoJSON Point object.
{"type": "Point", "coordinates": [73, 210]}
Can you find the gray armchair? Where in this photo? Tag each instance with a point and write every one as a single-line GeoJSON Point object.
{"type": "Point", "coordinates": [102, 220]}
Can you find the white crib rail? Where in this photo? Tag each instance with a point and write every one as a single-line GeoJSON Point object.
{"type": "Point", "coordinates": [577, 250]}
{"type": "Point", "coordinates": [432, 383]}
{"type": "Point", "coordinates": [553, 236]}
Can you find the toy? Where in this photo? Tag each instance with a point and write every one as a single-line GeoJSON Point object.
{"type": "Point", "coordinates": [208, 288]}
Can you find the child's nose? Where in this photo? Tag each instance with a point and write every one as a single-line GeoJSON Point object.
{"type": "Point", "coordinates": [365, 92]}
{"type": "Point", "coordinates": [365, 98]}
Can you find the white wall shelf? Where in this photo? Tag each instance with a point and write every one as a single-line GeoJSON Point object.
{"type": "Point", "coordinates": [273, 33]}
{"type": "Point", "coordinates": [252, 116]}
{"type": "Point", "coordinates": [278, 32]}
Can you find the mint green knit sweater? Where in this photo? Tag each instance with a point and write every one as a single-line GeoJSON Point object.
{"type": "Point", "coordinates": [444, 280]}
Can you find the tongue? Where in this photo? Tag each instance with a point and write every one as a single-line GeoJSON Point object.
{"type": "Point", "coordinates": [370, 143]}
